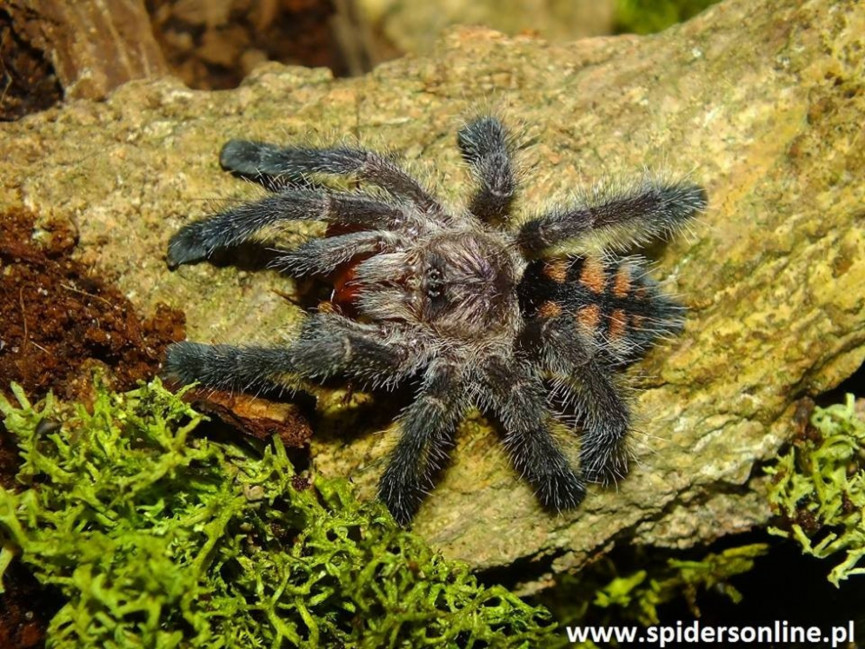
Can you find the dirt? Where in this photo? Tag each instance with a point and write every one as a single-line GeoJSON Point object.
{"type": "Point", "coordinates": [25, 609]}
{"type": "Point", "coordinates": [58, 322]}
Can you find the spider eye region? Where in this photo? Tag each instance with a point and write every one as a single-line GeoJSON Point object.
{"type": "Point", "coordinates": [435, 291]}
{"type": "Point", "coordinates": [434, 282]}
{"type": "Point", "coordinates": [467, 284]}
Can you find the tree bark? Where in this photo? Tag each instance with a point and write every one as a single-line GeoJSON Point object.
{"type": "Point", "coordinates": [94, 45]}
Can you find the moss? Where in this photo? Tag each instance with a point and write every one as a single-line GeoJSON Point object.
{"type": "Point", "coordinates": [161, 538]}
{"type": "Point", "coordinates": [818, 489]}
{"type": "Point", "coordinates": [608, 598]}
{"type": "Point", "coordinates": [650, 16]}
{"type": "Point", "coordinates": [639, 595]}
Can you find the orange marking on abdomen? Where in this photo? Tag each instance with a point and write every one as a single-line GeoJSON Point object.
{"type": "Point", "coordinates": [622, 283]}
{"type": "Point", "coordinates": [589, 316]}
{"type": "Point", "coordinates": [592, 276]}
{"type": "Point", "coordinates": [556, 270]}
{"type": "Point", "coordinates": [618, 324]}
{"type": "Point", "coordinates": [549, 309]}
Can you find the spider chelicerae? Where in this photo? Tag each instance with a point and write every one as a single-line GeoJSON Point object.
{"type": "Point", "coordinates": [474, 308]}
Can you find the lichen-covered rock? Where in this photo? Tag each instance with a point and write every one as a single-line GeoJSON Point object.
{"type": "Point", "coordinates": [763, 103]}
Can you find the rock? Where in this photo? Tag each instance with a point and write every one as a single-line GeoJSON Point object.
{"type": "Point", "coordinates": [763, 103]}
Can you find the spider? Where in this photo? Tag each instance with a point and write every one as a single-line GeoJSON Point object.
{"type": "Point", "coordinates": [477, 309]}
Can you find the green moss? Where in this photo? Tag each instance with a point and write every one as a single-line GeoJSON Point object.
{"type": "Point", "coordinates": [639, 595]}
{"type": "Point", "coordinates": [818, 488]}
{"type": "Point", "coordinates": [160, 538]}
{"type": "Point", "coordinates": [609, 598]}
{"type": "Point", "coordinates": [650, 16]}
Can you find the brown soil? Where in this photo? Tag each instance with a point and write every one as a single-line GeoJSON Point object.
{"type": "Point", "coordinates": [58, 322]}
{"type": "Point", "coordinates": [25, 609]}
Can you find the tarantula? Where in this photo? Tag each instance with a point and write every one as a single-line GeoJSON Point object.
{"type": "Point", "coordinates": [478, 311]}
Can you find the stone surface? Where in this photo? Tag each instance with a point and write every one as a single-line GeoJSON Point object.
{"type": "Point", "coordinates": [761, 102]}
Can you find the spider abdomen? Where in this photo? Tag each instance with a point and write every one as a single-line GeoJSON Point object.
{"type": "Point", "coordinates": [613, 302]}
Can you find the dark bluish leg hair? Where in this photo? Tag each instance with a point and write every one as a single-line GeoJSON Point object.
{"type": "Point", "coordinates": [426, 431]}
{"type": "Point", "coordinates": [605, 418]}
{"type": "Point", "coordinates": [606, 421]}
{"type": "Point", "coordinates": [282, 182]}
{"type": "Point", "coordinates": [329, 345]}
{"type": "Point", "coordinates": [584, 383]}
{"type": "Point", "coordinates": [198, 240]}
{"type": "Point", "coordinates": [325, 254]}
{"type": "Point", "coordinates": [227, 367]}
{"type": "Point", "coordinates": [518, 399]}
{"type": "Point", "coordinates": [259, 160]}
{"type": "Point", "coordinates": [485, 146]}
{"type": "Point", "coordinates": [635, 215]}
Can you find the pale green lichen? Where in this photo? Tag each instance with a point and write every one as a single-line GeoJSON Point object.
{"type": "Point", "coordinates": [639, 595]}
{"type": "Point", "coordinates": [161, 538]}
{"type": "Point", "coordinates": [818, 488]}
{"type": "Point", "coordinates": [604, 597]}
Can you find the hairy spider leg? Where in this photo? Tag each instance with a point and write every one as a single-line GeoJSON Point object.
{"type": "Point", "coordinates": [200, 239]}
{"type": "Point", "coordinates": [426, 433]}
{"type": "Point", "coordinates": [262, 161]}
{"type": "Point", "coordinates": [517, 396]}
{"type": "Point", "coordinates": [485, 146]}
{"type": "Point", "coordinates": [618, 218]}
{"type": "Point", "coordinates": [327, 254]}
{"type": "Point", "coordinates": [332, 345]}
{"type": "Point", "coordinates": [329, 345]}
{"type": "Point", "coordinates": [227, 367]}
{"type": "Point", "coordinates": [583, 382]}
